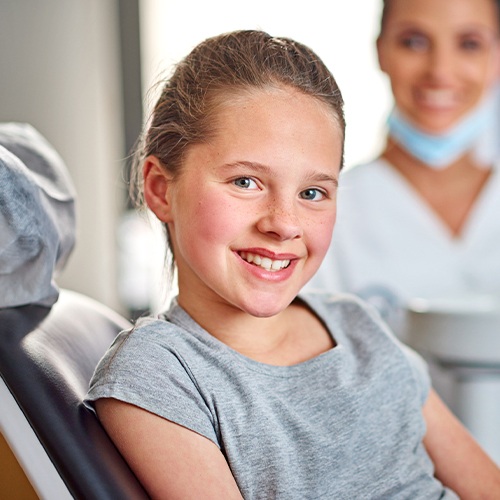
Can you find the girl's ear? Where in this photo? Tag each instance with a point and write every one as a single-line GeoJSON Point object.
{"type": "Point", "coordinates": [156, 188]}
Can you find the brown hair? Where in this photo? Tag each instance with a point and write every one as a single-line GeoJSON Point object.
{"type": "Point", "coordinates": [212, 73]}
{"type": "Point", "coordinates": [216, 69]}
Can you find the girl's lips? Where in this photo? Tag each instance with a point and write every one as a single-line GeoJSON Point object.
{"type": "Point", "coordinates": [263, 252]}
{"type": "Point", "coordinates": [283, 269]}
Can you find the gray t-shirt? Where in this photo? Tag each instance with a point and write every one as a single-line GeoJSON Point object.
{"type": "Point", "coordinates": [345, 424]}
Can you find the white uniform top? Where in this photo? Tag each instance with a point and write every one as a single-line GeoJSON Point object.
{"type": "Point", "coordinates": [387, 236]}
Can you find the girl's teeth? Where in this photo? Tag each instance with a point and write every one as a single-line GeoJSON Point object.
{"type": "Point", "coordinates": [265, 262]}
{"type": "Point", "coordinates": [277, 265]}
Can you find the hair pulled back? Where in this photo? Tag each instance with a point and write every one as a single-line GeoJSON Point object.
{"type": "Point", "coordinates": [216, 69]}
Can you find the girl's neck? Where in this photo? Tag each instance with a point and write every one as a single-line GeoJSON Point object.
{"type": "Point", "coordinates": [451, 192]}
{"type": "Point", "coordinates": [293, 336]}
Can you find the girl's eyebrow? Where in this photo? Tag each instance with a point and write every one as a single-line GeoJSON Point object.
{"type": "Point", "coordinates": [248, 165]}
{"type": "Point", "coordinates": [321, 177]}
{"type": "Point", "coordinates": [312, 175]}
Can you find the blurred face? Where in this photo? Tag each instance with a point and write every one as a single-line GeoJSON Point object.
{"type": "Point", "coordinates": [441, 57]}
{"type": "Point", "coordinates": [253, 210]}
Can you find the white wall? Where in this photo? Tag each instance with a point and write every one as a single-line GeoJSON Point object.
{"type": "Point", "coordinates": [342, 32]}
{"type": "Point", "coordinates": [59, 71]}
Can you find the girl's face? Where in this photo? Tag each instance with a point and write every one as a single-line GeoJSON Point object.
{"type": "Point", "coordinates": [252, 212]}
{"type": "Point", "coordinates": [441, 57]}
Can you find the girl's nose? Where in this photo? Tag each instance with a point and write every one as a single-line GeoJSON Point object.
{"type": "Point", "coordinates": [280, 221]}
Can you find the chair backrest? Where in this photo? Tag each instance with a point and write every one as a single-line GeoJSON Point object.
{"type": "Point", "coordinates": [47, 358]}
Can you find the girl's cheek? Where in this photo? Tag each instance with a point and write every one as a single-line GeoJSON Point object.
{"type": "Point", "coordinates": [216, 218]}
{"type": "Point", "coordinates": [319, 233]}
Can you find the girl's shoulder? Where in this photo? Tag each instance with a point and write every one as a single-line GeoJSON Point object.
{"type": "Point", "coordinates": [173, 333]}
{"type": "Point", "coordinates": [353, 322]}
{"type": "Point", "coordinates": [340, 305]}
{"type": "Point", "coordinates": [358, 327]}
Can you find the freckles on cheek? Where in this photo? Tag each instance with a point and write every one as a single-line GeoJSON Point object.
{"type": "Point", "coordinates": [323, 233]}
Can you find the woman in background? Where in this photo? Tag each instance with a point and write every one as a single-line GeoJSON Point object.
{"type": "Point", "coordinates": [423, 218]}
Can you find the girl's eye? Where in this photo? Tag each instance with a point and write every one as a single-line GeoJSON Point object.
{"type": "Point", "coordinates": [245, 183]}
{"type": "Point", "coordinates": [312, 194]}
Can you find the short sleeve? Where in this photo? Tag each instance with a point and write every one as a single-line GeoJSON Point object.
{"type": "Point", "coordinates": [142, 369]}
{"type": "Point", "coordinates": [420, 372]}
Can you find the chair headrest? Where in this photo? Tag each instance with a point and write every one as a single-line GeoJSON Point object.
{"type": "Point", "coordinates": [37, 217]}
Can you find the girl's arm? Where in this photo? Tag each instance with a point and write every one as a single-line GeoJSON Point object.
{"type": "Point", "coordinates": [460, 463]}
{"type": "Point", "coordinates": [170, 460]}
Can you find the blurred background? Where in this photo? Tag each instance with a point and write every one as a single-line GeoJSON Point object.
{"type": "Point", "coordinates": [79, 71]}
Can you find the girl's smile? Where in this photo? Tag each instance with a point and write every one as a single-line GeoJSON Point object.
{"type": "Point", "coordinates": [252, 212]}
{"type": "Point", "coordinates": [261, 259]}
{"type": "Point", "coordinates": [267, 268]}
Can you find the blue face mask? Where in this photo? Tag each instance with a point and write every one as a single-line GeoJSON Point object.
{"type": "Point", "coordinates": [439, 151]}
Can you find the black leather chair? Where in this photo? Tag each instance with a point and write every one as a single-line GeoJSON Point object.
{"type": "Point", "coordinates": [47, 357]}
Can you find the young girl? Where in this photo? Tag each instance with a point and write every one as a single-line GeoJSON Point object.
{"type": "Point", "coordinates": [243, 389]}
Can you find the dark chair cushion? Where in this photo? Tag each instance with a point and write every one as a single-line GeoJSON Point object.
{"type": "Point", "coordinates": [47, 358]}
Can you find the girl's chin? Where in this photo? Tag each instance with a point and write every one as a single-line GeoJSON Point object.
{"type": "Point", "coordinates": [263, 312]}
{"type": "Point", "coordinates": [265, 308]}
